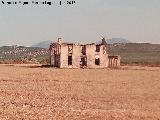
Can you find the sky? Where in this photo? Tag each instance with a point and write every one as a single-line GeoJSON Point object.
{"type": "Point", "coordinates": [84, 21]}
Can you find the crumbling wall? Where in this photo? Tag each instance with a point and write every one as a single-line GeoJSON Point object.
{"type": "Point", "coordinates": [51, 49]}
{"type": "Point", "coordinates": [55, 54]}
{"type": "Point", "coordinates": [103, 56]}
{"type": "Point", "coordinates": [64, 56]}
{"type": "Point", "coordinates": [114, 61]}
{"type": "Point", "coordinates": [76, 50]}
{"type": "Point", "coordinates": [93, 56]}
{"type": "Point", "coordinates": [76, 56]}
{"type": "Point", "coordinates": [90, 53]}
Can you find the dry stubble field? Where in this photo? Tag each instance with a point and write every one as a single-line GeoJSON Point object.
{"type": "Point", "coordinates": [131, 93]}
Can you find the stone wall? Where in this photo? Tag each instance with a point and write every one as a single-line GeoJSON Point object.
{"type": "Point", "coordinates": [92, 55]}
{"type": "Point", "coordinates": [114, 61]}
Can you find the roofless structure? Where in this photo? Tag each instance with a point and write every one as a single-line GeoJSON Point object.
{"type": "Point", "coordinates": [73, 55]}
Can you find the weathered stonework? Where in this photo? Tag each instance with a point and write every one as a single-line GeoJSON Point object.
{"type": "Point", "coordinates": [114, 61]}
{"type": "Point", "coordinates": [70, 55]}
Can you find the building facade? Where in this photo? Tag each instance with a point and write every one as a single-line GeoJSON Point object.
{"type": "Point", "coordinates": [71, 55]}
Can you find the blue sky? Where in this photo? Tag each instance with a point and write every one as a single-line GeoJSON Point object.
{"type": "Point", "coordinates": [86, 21]}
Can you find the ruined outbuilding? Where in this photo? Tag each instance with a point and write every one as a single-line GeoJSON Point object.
{"type": "Point", "coordinates": [72, 55]}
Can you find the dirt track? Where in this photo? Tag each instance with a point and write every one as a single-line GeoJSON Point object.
{"type": "Point", "coordinates": [79, 94]}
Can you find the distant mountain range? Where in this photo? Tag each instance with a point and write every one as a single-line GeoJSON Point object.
{"type": "Point", "coordinates": [45, 44]}
{"type": "Point", "coordinates": [117, 40]}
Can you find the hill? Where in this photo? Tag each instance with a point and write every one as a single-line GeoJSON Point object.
{"type": "Point", "coordinates": [117, 40]}
{"type": "Point", "coordinates": [22, 54]}
{"type": "Point", "coordinates": [44, 44]}
{"type": "Point", "coordinates": [137, 53]}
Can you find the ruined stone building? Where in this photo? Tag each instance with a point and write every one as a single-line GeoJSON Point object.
{"type": "Point", "coordinates": [72, 55]}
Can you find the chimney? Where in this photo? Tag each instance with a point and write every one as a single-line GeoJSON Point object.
{"type": "Point", "coordinates": [60, 40]}
{"type": "Point", "coordinates": [104, 41]}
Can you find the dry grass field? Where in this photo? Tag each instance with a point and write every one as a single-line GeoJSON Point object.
{"type": "Point", "coordinates": [130, 93]}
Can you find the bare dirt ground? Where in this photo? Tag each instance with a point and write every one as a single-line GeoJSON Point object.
{"type": "Point", "coordinates": [130, 93]}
